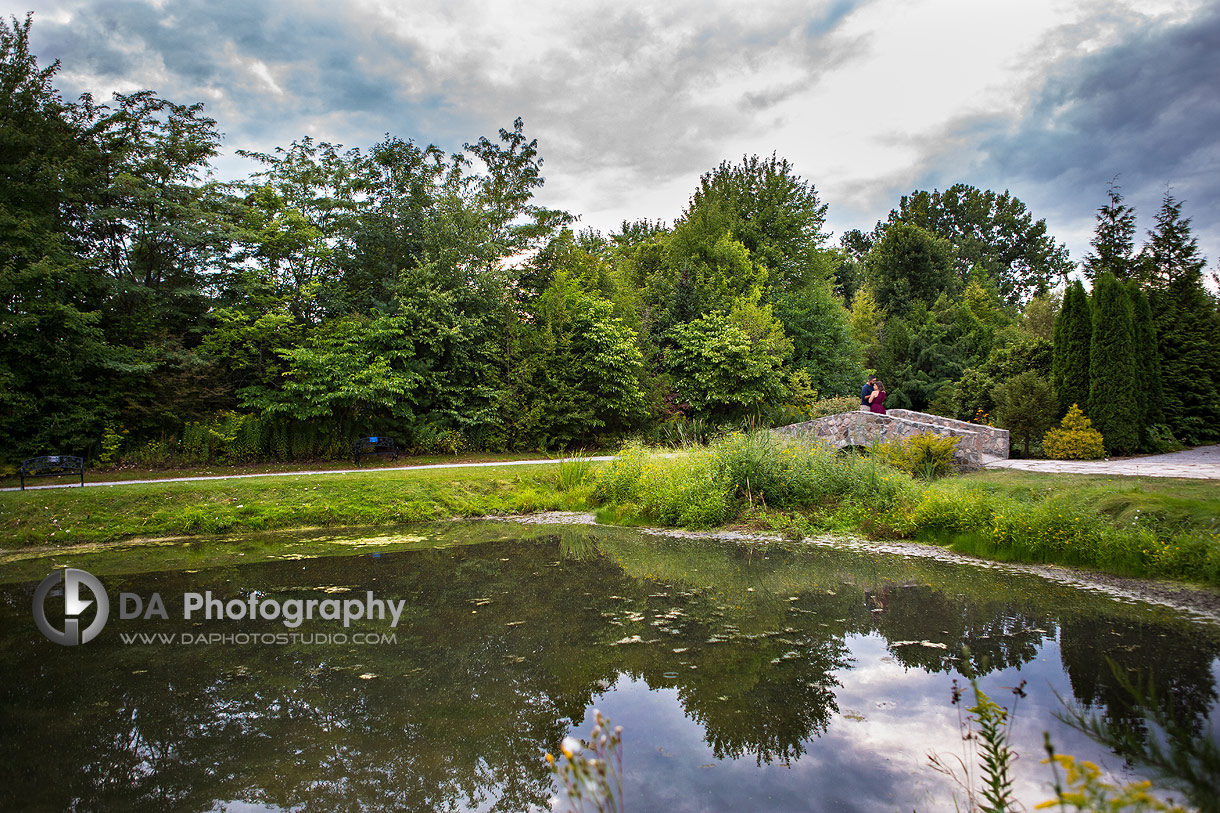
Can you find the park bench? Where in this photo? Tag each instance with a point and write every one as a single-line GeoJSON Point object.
{"type": "Point", "coordinates": [56, 465]}
{"type": "Point", "coordinates": [375, 444]}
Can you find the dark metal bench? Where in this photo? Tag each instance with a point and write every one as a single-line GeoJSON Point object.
{"type": "Point", "coordinates": [56, 465]}
{"type": "Point", "coordinates": [375, 444]}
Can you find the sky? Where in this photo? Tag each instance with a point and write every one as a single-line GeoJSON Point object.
{"type": "Point", "coordinates": [631, 102]}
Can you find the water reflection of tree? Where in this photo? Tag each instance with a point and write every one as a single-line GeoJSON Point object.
{"type": "Point", "coordinates": [508, 644]}
{"type": "Point", "coordinates": [1173, 668]}
{"type": "Point", "coordinates": [996, 634]}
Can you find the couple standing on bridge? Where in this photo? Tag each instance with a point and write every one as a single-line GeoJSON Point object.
{"type": "Point", "coordinates": [872, 396]}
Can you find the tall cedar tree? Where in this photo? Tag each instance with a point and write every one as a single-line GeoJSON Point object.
{"type": "Point", "coordinates": [1072, 339]}
{"type": "Point", "coordinates": [1112, 368]}
{"type": "Point", "coordinates": [1188, 331]}
{"type": "Point", "coordinates": [1187, 326]}
{"type": "Point", "coordinates": [1149, 393]}
{"type": "Point", "coordinates": [1113, 241]}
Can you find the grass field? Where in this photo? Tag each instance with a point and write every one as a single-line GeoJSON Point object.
{"type": "Point", "coordinates": [1125, 525]}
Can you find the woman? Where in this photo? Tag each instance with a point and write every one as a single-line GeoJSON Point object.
{"type": "Point", "coordinates": [876, 398]}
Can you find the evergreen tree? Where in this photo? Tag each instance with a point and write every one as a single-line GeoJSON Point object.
{"type": "Point", "coordinates": [1072, 337]}
{"type": "Point", "coordinates": [1188, 333]}
{"type": "Point", "coordinates": [1187, 327]}
{"type": "Point", "coordinates": [1114, 240]}
{"type": "Point", "coordinates": [1112, 368]}
{"type": "Point", "coordinates": [1171, 252]}
{"type": "Point", "coordinates": [1149, 394]}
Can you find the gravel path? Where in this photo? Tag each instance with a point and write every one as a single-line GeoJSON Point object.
{"type": "Point", "coordinates": [1202, 463]}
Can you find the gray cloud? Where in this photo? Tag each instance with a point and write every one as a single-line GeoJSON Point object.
{"type": "Point", "coordinates": [629, 96]}
{"type": "Point", "coordinates": [1145, 109]}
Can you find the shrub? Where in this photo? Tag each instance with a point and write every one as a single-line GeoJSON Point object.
{"type": "Point", "coordinates": [925, 455]}
{"type": "Point", "coordinates": [1074, 439]}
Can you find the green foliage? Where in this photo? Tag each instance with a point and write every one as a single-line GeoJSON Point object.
{"type": "Point", "coordinates": [771, 211]}
{"type": "Point", "coordinates": [709, 486]}
{"type": "Point", "coordinates": [990, 231]}
{"type": "Point", "coordinates": [1114, 240]}
{"type": "Point", "coordinates": [727, 365]}
{"type": "Point", "coordinates": [925, 455]}
{"type": "Point", "coordinates": [986, 732]}
{"type": "Point", "coordinates": [1187, 329]}
{"type": "Point", "coordinates": [1150, 394]}
{"type": "Point", "coordinates": [1112, 368]}
{"type": "Point", "coordinates": [1073, 338]}
{"type": "Point", "coordinates": [1025, 406]}
{"type": "Point", "coordinates": [975, 391]}
{"type": "Point", "coordinates": [1183, 757]}
{"type": "Point", "coordinates": [1074, 439]}
{"type": "Point", "coordinates": [580, 369]}
{"type": "Point", "coordinates": [823, 340]}
{"type": "Point", "coordinates": [909, 264]}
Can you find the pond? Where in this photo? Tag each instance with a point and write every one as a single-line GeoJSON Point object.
{"type": "Point", "coordinates": [745, 677]}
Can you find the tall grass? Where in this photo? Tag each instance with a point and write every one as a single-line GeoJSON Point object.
{"type": "Point", "coordinates": [805, 488]}
{"type": "Point", "coordinates": [706, 486]}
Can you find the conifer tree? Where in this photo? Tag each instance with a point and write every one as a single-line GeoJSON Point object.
{"type": "Point", "coordinates": [1171, 252]}
{"type": "Point", "coordinates": [1187, 327]}
{"type": "Point", "coordinates": [1112, 368]}
{"type": "Point", "coordinates": [1148, 392]}
{"type": "Point", "coordinates": [1113, 241]}
{"type": "Point", "coordinates": [1072, 338]}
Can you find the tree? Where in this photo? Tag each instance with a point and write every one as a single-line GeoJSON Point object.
{"type": "Point", "coordinates": [1114, 240]}
{"type": "Point", "coordinates": [726, 365]}
{"type": "Point", "coordinates": [1112, 368]}
{"type": "Point", "coordinates": [975, 392]}
{"type": "Point", "coordinates": [54, 356]}
{"type": "Point", "coordinates": [1171, 253]}
{"type": "Point", "coordinates": [988, 230]}
{"type": "Point", "coordinates": [1149, 395]}
{"type": "Point", "coordinates": [908, 264]}
{"type": "Point", "coordinates": [823, 342]}
{"type": "Point", "coordinates": [1073, 338]}
{"type": "Point", "coordinates": [764, 205]}
{"type": "Point", "coordinates": [580, 369]}
{"type": "Point", "coordinates": [1025, 406]}
{"type": "Point", "coordinates": [1187, 327]}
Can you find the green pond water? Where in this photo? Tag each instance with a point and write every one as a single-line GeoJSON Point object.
{"type": "Point", "coordinates": [745, 677]}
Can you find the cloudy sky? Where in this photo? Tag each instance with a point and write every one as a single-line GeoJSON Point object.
{"type": "Point", "coordinates": [632, 101]}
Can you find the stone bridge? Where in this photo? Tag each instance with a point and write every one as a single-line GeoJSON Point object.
{"type": "Point", "coordinates": [865, 428]}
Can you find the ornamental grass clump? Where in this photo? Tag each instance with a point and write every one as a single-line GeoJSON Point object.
{"type": "Point", "coordinates": [925, 455]}
{"type": "Point", "coordinates": [1074, 439]}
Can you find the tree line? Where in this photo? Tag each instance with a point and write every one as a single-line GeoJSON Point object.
{"type": "Point", "coordinates": [152, 312]}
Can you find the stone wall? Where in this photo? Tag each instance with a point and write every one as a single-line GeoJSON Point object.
{"type": "Point", "coordinates": [866, 428]}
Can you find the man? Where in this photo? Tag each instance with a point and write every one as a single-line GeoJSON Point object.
{"type": "Point", "coordinates": [866, 391]}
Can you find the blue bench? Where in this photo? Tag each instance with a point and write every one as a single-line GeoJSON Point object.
{"type": "Point", "coordinates": [56, 465]}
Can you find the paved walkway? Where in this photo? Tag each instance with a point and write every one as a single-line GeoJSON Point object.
{"type": "Point", "coordinates": [299, 473]}
{"type": "Point", "coordinates": [1202, 463]}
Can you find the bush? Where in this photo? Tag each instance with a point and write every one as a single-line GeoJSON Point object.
{"type": "Point", "coordinates": [924, 455]}
{"type": "Point", "coordinates": [1074, 439]}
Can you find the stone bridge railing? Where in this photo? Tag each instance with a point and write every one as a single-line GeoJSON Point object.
{"type": "Point", "coordinates": [866, 428]}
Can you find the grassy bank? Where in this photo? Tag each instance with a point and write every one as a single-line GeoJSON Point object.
{"type": "Point", "coordinates": [1127, 526]}
{"type": "Point", "coordinates": [1147, 527]}
{"type": "Point", "coordinates": [153, 510]}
